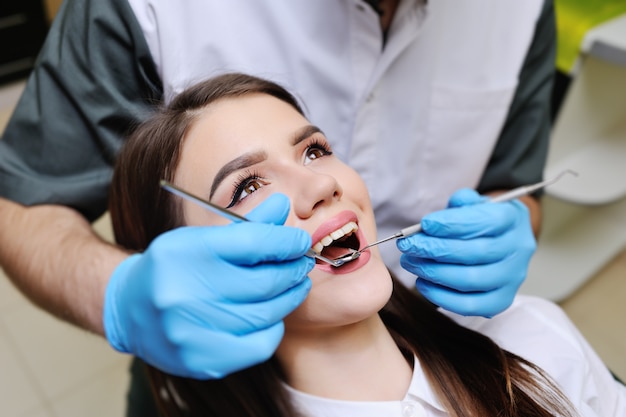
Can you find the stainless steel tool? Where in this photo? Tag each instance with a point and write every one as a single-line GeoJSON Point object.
{"type": "Point", "coordinates": [416, 228]}
{"type": "Point", "coordinates": [229, 215]}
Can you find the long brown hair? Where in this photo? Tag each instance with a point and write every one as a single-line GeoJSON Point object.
{"type": "Point", "coordinates": [469, 372]}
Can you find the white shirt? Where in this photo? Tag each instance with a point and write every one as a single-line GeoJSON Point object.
{"type": "Point", "coordinates": [358, 92]}
{"type": "Point", "coordinates": [533, 328]}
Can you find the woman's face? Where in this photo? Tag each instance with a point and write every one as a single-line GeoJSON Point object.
{"type": "Point", "coordinates": [257, 145]}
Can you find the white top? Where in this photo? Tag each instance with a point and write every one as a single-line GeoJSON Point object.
{"type": "Point", "coordinates": [459, 77]}
{"type": "Point", "coordinates": [533, 328]}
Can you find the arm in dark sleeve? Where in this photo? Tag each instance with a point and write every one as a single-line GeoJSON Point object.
{"type": "Point", "coordinates": [93, 80]}
{"type": "Point", "coordinates": [520, 154]}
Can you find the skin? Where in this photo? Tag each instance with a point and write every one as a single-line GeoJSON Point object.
{"type": "Point", "coordinates": [54, 257]}
{"type": "Point", "coordinates": [51, 253]}
{"type": "Point", "coordinates": [31, 239]}
{"type": "Point", "coordinates": [337, 329]}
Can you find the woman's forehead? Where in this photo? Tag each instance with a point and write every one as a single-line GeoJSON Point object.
{"type": "Point", "coordinates": [246, 120]}
{"type": "Point", "coordinates": [232, 127]}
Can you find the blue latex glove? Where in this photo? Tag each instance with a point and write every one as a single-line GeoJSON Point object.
{"type": "Point", "coordinates": [203, 302]}
{"type": "Point", "coordinates": [471, 258]}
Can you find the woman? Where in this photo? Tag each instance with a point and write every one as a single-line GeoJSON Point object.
{"type": "Point", "coordinates": [360, 344]}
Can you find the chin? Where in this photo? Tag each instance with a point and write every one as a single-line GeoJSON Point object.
{"type": "Point", "coordinates": [340, 299]}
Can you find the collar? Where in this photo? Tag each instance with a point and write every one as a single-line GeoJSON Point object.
{"type": "Point", "coordinates": [419, 391]}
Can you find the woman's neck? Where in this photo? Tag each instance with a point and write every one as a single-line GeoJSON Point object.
{"type": "Point", "coordinates": [359, 362]}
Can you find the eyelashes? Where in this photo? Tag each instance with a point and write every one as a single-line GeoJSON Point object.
{"type": "Point", "coordinates": [246, 183]}
{"type": "Point", "coordinates": [249, 181]}
{"type": "Point", "coordinates": [322, 147]}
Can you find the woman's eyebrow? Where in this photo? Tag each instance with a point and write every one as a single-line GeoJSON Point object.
{"type": "Point", "coordinates": [248, 159]}
{"type": "Point", "coordinates": [304, 133]}
{"type": "Point", "coordinates": [243, 161]}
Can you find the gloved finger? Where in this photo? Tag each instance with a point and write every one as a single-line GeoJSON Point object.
{"type": "Point", "coordinates": [260, 282]}
{"type": "Point", "coordinates": [463, 278]}
{"type": "Point", "coordinates": [489, 219]}
{"type": "Point", "coordinates": [465, 197]}
{"type": "Point", "coordinates": [250, 350]}
{"type": "Point", "coordinates": [207, 354]}
{"type": "Point", "coordinates": [253, 243]}
{"type": "Point", "coordinates": [242, 318]}
{"type": "Point", "coordinates": [465, 252]}
{"type": "Point", "coordinates": [486, 304]}
{"type": "Point", "coordinates": [273, 210]}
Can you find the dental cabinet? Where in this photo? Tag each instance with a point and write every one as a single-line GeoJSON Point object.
{"type": "Point", "coordinates": [584, 224]}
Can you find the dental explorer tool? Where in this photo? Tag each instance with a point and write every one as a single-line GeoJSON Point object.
{"type": "Point", "coordinates": [230, 215]}
{"type": "Point", "coordinates": [416, 228]}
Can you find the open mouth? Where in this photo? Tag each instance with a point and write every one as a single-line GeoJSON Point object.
{"type": "Point", "coordinates": [339, 243]}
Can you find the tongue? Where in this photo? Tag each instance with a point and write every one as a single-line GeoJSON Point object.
{"type": "Point", "coordinates": [334, 252]}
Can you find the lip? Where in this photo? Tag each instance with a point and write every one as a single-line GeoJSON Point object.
{"type": "Point", "coordinates": [333, 224]}
{"type": "Point", "coordinates": [350, 266]}
{"type": "Point", "coordinates": [330, 226]}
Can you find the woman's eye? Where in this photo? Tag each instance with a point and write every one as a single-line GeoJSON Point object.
{"type": "Point", "coordinates": [249, 188]}
{"type": "Point", "coordinates": [316, 151]}
{"type": "Point", "coordinates": [244, 188]}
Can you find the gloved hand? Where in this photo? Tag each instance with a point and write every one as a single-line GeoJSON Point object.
{"type": "Point", "coordinates": [203, 302]}
{"type": "Point", "coordinates": [471, 258]}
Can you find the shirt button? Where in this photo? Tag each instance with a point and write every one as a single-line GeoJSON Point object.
{"type": "Point", "coordinates": [360, 7]}
{"type": "Point", "coordinates": [412, 409]}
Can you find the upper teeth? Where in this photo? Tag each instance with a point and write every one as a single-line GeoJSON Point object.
{"type": "Point", "coordinates": [350, 227]}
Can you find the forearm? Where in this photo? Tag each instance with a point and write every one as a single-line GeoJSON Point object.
{"type": "Point", "coordinates": [54, 257]}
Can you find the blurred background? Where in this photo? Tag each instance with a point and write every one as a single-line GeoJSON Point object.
{"type": "Point", "coordinates": [51, 369]}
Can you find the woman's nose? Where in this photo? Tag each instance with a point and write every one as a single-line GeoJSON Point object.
{"type": "Point", "coordinates": [314, 190]}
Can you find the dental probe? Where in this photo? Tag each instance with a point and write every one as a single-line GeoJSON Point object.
{"type": "Point", "coordinates": [230, 215]}
{"type": "Point", "coordinates": [416, 228]}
